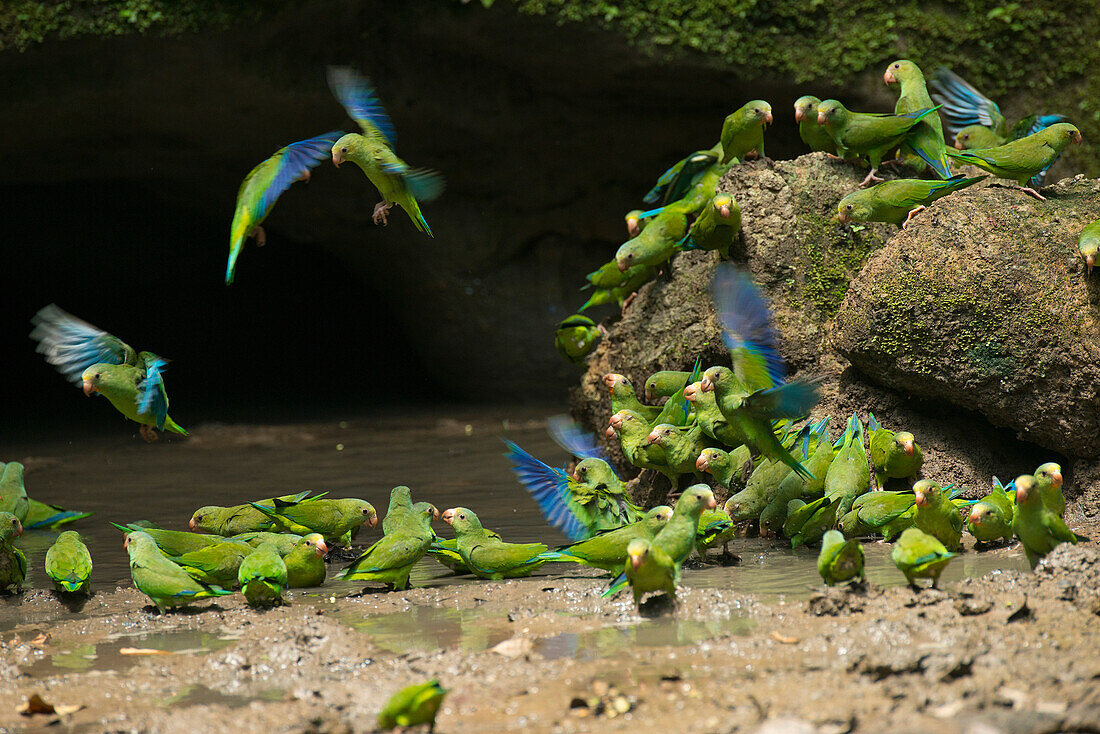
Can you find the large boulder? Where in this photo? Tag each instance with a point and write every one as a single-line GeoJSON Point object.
{"type": "Point", "coordinates": [984, 302]}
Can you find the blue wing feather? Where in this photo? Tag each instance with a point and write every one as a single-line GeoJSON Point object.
{"type": "Point", "coordinates": [549, 487]}
{"type": "Point", "coordinates": [72, 345]}
{"type": "Point", "coordinates": [962, 104]}
{"type": "Point", "coordinates": [790, 400]}
{"type": "Point", "coordinates": [293, 161]}
{"type": "Point", "coordinates": [574, 439]}
{"type": "Point", "coordinates": [152, 396]}
{"type": "Point", "coordinates": [359, 99]}
{"type": "Point", "coordinates": [746, 320]}
{"type": "Point", "coordinates": [423, 183]}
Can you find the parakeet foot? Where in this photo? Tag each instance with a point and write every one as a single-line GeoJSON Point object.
{"type": "Point", "coordinates": [912, 214]}
{"type": "Point", "coordinates": [148, 433]}
{"type": "Point", "coordinates": [893, 163]}
{"type": "Point", "coordinates": [869, 178]}
{"type": "Point", "coordinates": [629, 300]}
{"type": "Point", "coordinates": [259, 235]}
{"type": "Point", "coordinates": [381, 211]}
{"type": "Point", "coordinates": [834, 157]}
{"type": "Point", "coordinates": [1033, 192]}
{"type": "Point", "coordinates": [602, 329]}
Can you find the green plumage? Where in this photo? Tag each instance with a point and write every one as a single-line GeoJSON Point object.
{"type": "Point", "coordinates": [710, 417]}
{"type": "Point", "coordinates": [122, 385]}
{"type": "Point", "coordinates": [68, 563]}
{"type": "Point", "coordinates": [1039, 529]}
{"type": "Point", "coordinates": [1048, 480]}
{"type": "Point", "coordinates": [839, 559]}
{"type": "Point", "coordinates": [576, 337]}
{"type": "Point", "coordinates": [240, 519]}
{"type": "Point", "coordinates": [743, 130]}
{"type": "Point", "coordinates": [174, 542]}
{"type": "Point", "coordinates": [305, 563]}
{"type": "Point", "coordinates": [937, 515]}
{"type": "Point", "coordinates": [159, 578]}
{"type": "Point", "coordinates": [399, 511]}
{"type": "Point", "coordinates": [731, 470]}
{"type": "Point", "coordinates": [43, 515]}
{"type": "Point", "coordinates": [633, 279]}
{"type": "Point", "coordinates": [13, 564]}
{"type": "Point", "coordinates": [599, 498]}
{"type": "Point", "coordinates": [413, 706]}
{"type": "Point", "coordinates": [338, 521]}
{"type": "Point", "coordinates": [13, 493]}
{"type": "Point", "coordinates": [716, 226]}
{"type": "Point", "coordinates": [806, 523]}
{"type": "Point", "coordinates": [1089, 244]}
{"type": "Point", "coordinates": [216, 564]}
{"type": "Point", "coordinates": [888, 513]}
{"type": "Point", "coordinates": [758, 492]}
{"type": "Point", "coordinates": [390, 560]}
{"type": "Point", "coordinates": [978, 136]}
{"type": "Point", "coordinates": [919, 555]}
{"type": "Point", "coordinates": [716, 528]}
{"type": "Point", "coordinates": [894, 201]}
{"type": "Point", "coordinates": [811, 132]}
{"type": "Point", "coordinates": [865, 134]}
{"type": "Point", "coordinates": [649, 568]}
{"type": "Point", "coordinates": [623, 397]}
{"type": "Point", "coordinates": [1021, 159]}
{"type": "Point", "coordinates": [665, 383]}
{"type": "Point", "coordinates": [263, 577]}
{"type": "Point", "coordinates": [490, 557]}
{"type": "Point", "coordinates": [927, 136]}
{"type": "Point", "coordinates": [893, 455]}
{"type": "Point", "coordinates": [659, 241]}
{"type": "Point", "coordinates": [849, 475]}
{"type": "Point", "coordinates": [607, 550]}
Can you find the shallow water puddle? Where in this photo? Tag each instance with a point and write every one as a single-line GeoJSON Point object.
{"type": "Point", "coordinates": [425, 629]}
{"type": "Point", "coordinates": [650, 633]}
{"type": "Point", "coordinates": [198, 695]}
{"type": "Point", "coordinates": [120, 651]}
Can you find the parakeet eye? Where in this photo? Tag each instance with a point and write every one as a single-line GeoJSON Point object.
{"type": "Point", "coordinates": [897, 66]}
{"type": "Point", "coordinates": [344, 149]}
{"type": "Point", "coordinates": [848, 207]}
{"type": "Point", "coordinates": [584, 470]}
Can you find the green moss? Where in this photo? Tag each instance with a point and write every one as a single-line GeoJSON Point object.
{"type": "Point", "coordinates": [832, 258]}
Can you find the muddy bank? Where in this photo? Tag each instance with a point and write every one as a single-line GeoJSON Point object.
{"type": "Point", "coordinates": [1009, 651]}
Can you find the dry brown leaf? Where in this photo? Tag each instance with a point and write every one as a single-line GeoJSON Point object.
{"type": "Point", "coordinates": [142, 651]}
{"type": "Point", "coordinates": [784, 640]}
{"type": "Point", "coordinates": [36, 705]}
{"type": "Point", "coordinates": [41, 639]}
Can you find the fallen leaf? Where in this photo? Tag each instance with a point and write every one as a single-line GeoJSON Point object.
{"type": "Point", "coordinates": [142, 651]}
{"type": "Point", "coordinates": [784, 640]}
{"type": "Point", "coordinates": [514, 647]}
{"type": "Point", "coordinates": [40, 640]}
{"type": "Point", "coordinates": [36, 705]}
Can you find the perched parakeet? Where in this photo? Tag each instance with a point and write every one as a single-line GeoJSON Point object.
{"type": "Point", "coordinates": [758, 492]}
{"type": "Point", "coordinates": [816, 452]}
{"type": "Point", "coordinates": [215, 564]}
{"type": "Point", "coordinates": [238, 519]}
{"type": "Point", "coordinates": [305, 563]}
{"type": "Point", "coordinates": [743, 130]}
{"type": "Point", "coordinates": [919, 555]}
{"type": "Point", "coordinates": [839, 559]}
{"type": "Point", "coordinates": [899, 200]}
{"type": "Point", "coordinates": [390, 560]}
{"type": "Point", "coordinates": [888, 513]}
{"type": "Point", "coordinates": [893, 455]}
{"type": "Point", "coordinates": [730, 469]}
{"type": "Point", "coordinates": [936, 514]}
{"type": "Point", "coordinates": [665, 384]}
{"type": "Point", "coordinates": [1022, 159]}
{"type": "Point", "coordinates": [41, 515]}
{"type": "Point", "coordinates": [1039, 529]}
{"type": "Point", "coordinates": [174, 542]}
{"type": "Point", "coordinates": [861, 133]}
{"type": "Point", "coordinates": [68, 563]}
{"type": "Point", "coordinates": [988, 521]}
{"type": "Point", "coordinates": [399, 509]}
{"type": "Point", "coordinates": [633, 433]}
{"type": "Point", "coordinates": [659, 241]}
{"type": "Point", "coordinates": [754, 350]}
{"type": "Point", "coordinates": [682, 176]}
{"type": "Point", "coordinates": [623, 397]}
{"type": "Point", "coordinates": [633, 279]}
{"type": "Point", "coordinates": [812, 134]}
{"type": "Point", "coordinates": [715, 227]}
{"type": "Point", "coordinates": [263, 577]}
{"type": "Point", "coordinates": [265, 183]}
{"type": "Point", "coordinates": [13, 564]}
{"type": "Point", "coordinates": [490, 557]}
{"type": "Point", "coordinates": [806, 523]}
{"type": "Point", "coordinates": [413, 706]}
{"type": "Point", "coordinates": [648, 568]}
{"type": "Point", "coordinates": [716, 528]}
{"type": "Point", "coordinates": [849, 475]}
{"type": "Point", "coordinates": [576, 337]}
{"type": "Point", "coordinates": [977, 136]}
{"type": "Point", "coordinates": [1048, 481]}
{"type": "Point", "coordinates": [1089, 244]}
{"type": "Point", "coordinates": [682, 446]}
{"type": "Point", "coordinates": [161, 579]}
{"type": "Point", "coordinates": [373, 151]}
{"type": "Point", "coordinates": [607, 549]}
{"type": "Point", "coordinates": [926, 142]}
{"type": "Point", "coordinates": [634, 223]}
{"type": "Point", "coordinates": [283, 543]}
{"type": "Point", "coordinates": [710, 417]}
{"type": "Point", "coordinates": [104, 364]}
{"type": "Point", "coordinates": [337, 520]}
{"type": "Point", "coordinates": [13, 492]}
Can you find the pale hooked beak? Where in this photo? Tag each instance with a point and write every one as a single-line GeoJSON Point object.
{"type": "Point", "coordinates": [701, 462]}
{"type": "Point", "coordinates": [616, 421]}
{"type": "Point", "coordinates": [844, 217]}
{"type": "Point", "coordinates": [322, 549]}
{"type": "Point", "coordinates": [920, 499]}
{"type": "Point", "coordinates": [689, 393]}
{"type": "Point", "coordinates": [959, 144]}
{"type": "Point", "coordinates": [768, 118]}
{"type": "Point", "coordinates": [449, 516]}
{"type": "Point", "coordinates": [576, 476]}
{"type": "Point", "coordinates": [621, 265]}
{"type": "Point", "coordinates": [610, 379]}
{"type": "Point", "coordinates": [372, 520]}
{"type": "Point", "coordinates": [89, 388]}
{"type": "Point", "coordinates": [1057, 478]}
{"type": "Point", "coordinates": [907, 447]}
{"type": "Point", "coordinates": [724, 211]}
{"type": "Point", "coordinates": [635, 561]}
{"type": "Point", "coordinates": [1090, 260]}
{"type": "Point", "coordinates": [337, 158]}
{"type": "Point", "coordinates": [653, 437]}
{"type": "Point", "coordinates": [632, 227]}
{"type": "Point", "coordinates": [19, 528]}
{"type": "Point", "coordinates": [820, 118]}
{"type": "Point", "coordinates": [707, 385]}
{"type": "Point", "coordinates": [1077, 138]}
{"type": "Point", "coordinates": [192, 525]}
{"type": "Point", "coordinates": [711, 503]}
{"type": "Point", "coordinates": [610, 432]}
{"type": "Point", "coordinates": [889, 77]}
{"type": "Point", "coordinates": [798, 114]}
{"type": "Point", "coordinates": [975, 517]}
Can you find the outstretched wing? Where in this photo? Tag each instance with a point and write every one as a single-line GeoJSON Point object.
{"type": "Point", "coordinates": [962, 104]}
{"type": "Point", "coordinates": [72, 345]}
{"type": "Point", "coordinates": [152, 397]}
{"type": "Point", "coordinates": [355, 93]}
{"type": "Point", "coordinates": [747, 329]}
{"type": "Point", "coordinates": [549, 487]}
{"type": "Point", "coordinates": [574, 439]}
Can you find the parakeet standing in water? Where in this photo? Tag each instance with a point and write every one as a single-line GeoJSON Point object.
{"type": "Point", "coordinates": [576, 337]}
{"type": "Point", "coordinates": [413, 706]}
{"type": "Point", "coordinates": [648, 568]}
{"type": "Point", "coordinates": [607, 550]}
{"type": "Point", "coordinates": [861, 133]}
{"type": "Point", "coordinates": [849, 476]}
{"type": "Point", "coordinates": [265, 183]}
{"type": "Point", "coordinates": [806, 523]}
{"type": "Point", "coordinates": [238, 519]}
{"type": "Point", "coordinates": [391, 559]}
{"type": "Point", "coordinates": [743, 130]}
{"type": "Point", "coordinates": [1048, 480]}
{"type": "Point", "coordinates": [104, 364]}
{"type": "Point", "coordinates": [13, 564]}
{"type": "Point", "coordinates": [926, 142]}
{"type": "Point", "coordinates": [337, 521]}
{"type": "Point", "coordinates": [937, 515]}
{"type": "Point", "coordinates": [990, 517]}
{"type": "Point", "coordinates": [13, 492]}
{"type": "Point", "coordinates": [839, 559]}
{"type": "Point", "coordinates": [263, 577]}
{"type": "Point", "coordinates": [1039, 529]}
{"type": "Point", "coordinates": [68, 563]}
{"type": "Point", "coordinates": [919, 555]}
{"type": "Point", "coordinates": [489, 557]}
{"type": "Point", "coordinates": [305, 564]}
{"type": "Point", "coordinates": [161, 579]}
{"type": "Point", "coordinates": [217, 564]}
{"type": "Point", "coordinates": [1089, 244]}
{"type": "Point", "coordinates": [899, 200]}
{"type": "Point", "coordinates": [893, 455]}
{"type": "Point", "coordinates": [812, 134]}
{"type": "Point", "coordinates": [1021, 159]}
{"type": "Point", "coordinates": [373, 151]}
{"type": "Point", "coordinates": [174, 542]}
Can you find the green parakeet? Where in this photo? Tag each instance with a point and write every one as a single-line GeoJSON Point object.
{"type": "Point", "coordinates": [897, 201]}
{"type": "Point", "coordinates": [283, 543]}
{"type": "Point", "coordinates": [13, 492]}
{"type": "Point", "coordinates": [1048, 480]}
{"type": "Point", "coordinates": [390, 560]}
{"type": "Point", "coordinates": [816, 452]}
{"type": "Point", "coordinates": [674, 183]}
{"type": "Point", "coordinates": [665, 384]}
{"type": "Point", "coordinates": [216, 564]}
{"type": "Point", "coordinates": [806, 523]}
{"type": "Point", "coordinates": [849, 475]}
{"type": "Point", "coordinates": [893, 455]}
{"type": "Point", "coordinates": [634, 223]}
{"type": "Point", "coordinates": [710, 417]}
{"type": "Point", "coordinates": [413, 706]}
{"type": "Point", "coordinates": [263, 577]}
{"type": "Point", "coordinates": [174, 542]}
{"type": "Point", "coordinates": [888, 513]}
{"type": "Point", "coordinates": [659, 241]}
{"type": "Point", "coordinates": [812, 134]}
{"type": "Point", "coordinates": [161, 579]}
{"type": "Point", "coordinates": [743, 130]}
{"type": "Point", "coordinates": [926, 142]}
{"type": "Point", "coordinates": [238, 519]}
{"type": "Point", "coordinates": [399, 510]}
{"type": "Point", "coordinates": [13, 564]}
{"type": "Point", "coordinates": [337, 520]}
{"type": "Point", "coordinates": [576, 337]}
{"type": "Point", "coordinates": [648, 568]}
{"type": "Point", "coordinates": [731, 470]}
{"type": "Point", "coordinates": [1039, 528]}
{"type": "Point", "coordinates": [839, 559]}
{"type": "Point", "coordinates": [490, 557]}
{"type": "Point", "coordinates": [937, 515]}
{"type": "Point", "coordinates": [305, 563]}
{"type": "Point", "coordinates": [633, 433]}
{"type": "Point", "coordinates": [104, 364]}
{"type": "Point", "coordinates": [42, 515]}
{"type": "Point", "coordinates": [633, 279]}
{"type": "Point", "coordinates": [919, 555]}
{"type": "Point", "coordinates": [623, 397]}
{"type": "Point", "coordinates": [754, 350]}
{"type": "Point", "coordinates": [716, 528]}
{"type": "Point", "coordinates": [1089, 244]}
{"type": "Point", "coordinates": [758, 492]}
{"type": "Point", "coordinates": [977, 136]}
{"type": "Point", "coordinates": [68, 563]}
{"type": "Point", "coordinates": [715, 227]}
{"type": "Point", "coordinates": [682, 447]}
{"type": "Point", "coordinates": [607, 550]}
{"type": "Point", "coordinates": [263, 186]}
{"type": "Point", "coordinates": [988, 522]}
{"type": "Point", "coordinates": [1021, 159]}
{"type": "Point", "coordinates": [861, 133]}
{"type": "Point", "coordinates": [373, 151]}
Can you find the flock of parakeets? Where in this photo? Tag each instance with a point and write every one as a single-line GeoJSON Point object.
{"type": "Point", "coordinates": [691, 216]}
